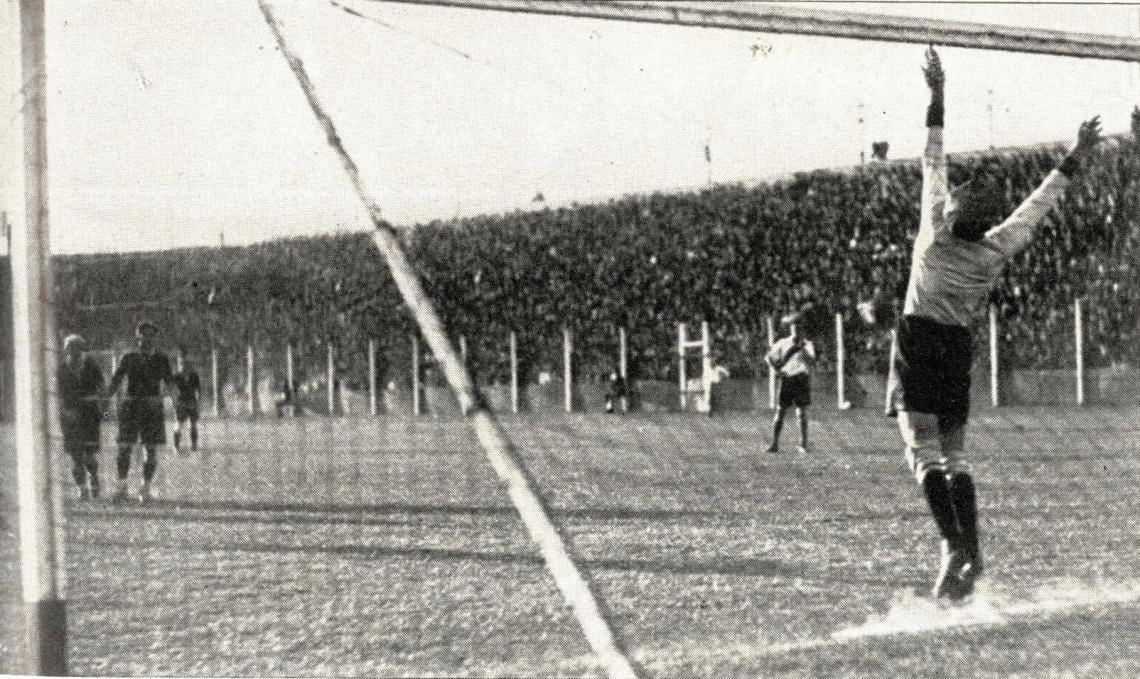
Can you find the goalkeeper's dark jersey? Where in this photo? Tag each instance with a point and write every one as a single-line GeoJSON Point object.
{"type": "Point", "coordinates": [188, 385]}
{"type": "Point", "coordinates": [144, 374]}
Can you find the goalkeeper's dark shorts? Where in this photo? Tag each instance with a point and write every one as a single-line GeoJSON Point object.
{"type": "Point", "coordinates": [932, 370]}
{"type": "Point", "coordinates": [141, 420]}
{"type": "Point", "coordinates": [186, 410]}
{"type": "Point", "coordinates": [795, 390]}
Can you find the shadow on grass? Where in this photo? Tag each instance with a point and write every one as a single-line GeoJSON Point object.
{"type": "Point", "coordinates": [356, 514]}
{"type": "Point", "coordinates": [757, 567]}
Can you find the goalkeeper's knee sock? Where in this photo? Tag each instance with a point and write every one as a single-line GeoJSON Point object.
{"type": "Point", "coordinates": [123, 463]}
{"type": "Point", "coordinates": [937, 493]}
{"type": "Point", "coordinates": [78, 471]}
{"type": "Point", "coordinates": [151, 464]}
{"type": "Point", "coordinates": [964, 497]}
{"type": "Point", "coordinates": [777, 427]}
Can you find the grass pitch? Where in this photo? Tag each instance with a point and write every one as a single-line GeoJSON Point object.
{"type": "Point", "coordinates": [385, 547]}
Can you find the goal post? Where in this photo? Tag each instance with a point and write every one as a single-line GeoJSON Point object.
{"type": "Point", "coordinates": [43, 565]}
{"type": "Point", "coordinates": [552, 543]}
{"type": "Point", "coordinates": [704, 346]}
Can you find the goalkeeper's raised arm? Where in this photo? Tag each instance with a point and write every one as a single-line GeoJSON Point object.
{"type": "Point", "coordinates": [1017, 231]}
{"type": "Point", "coordinates": [934, 178]}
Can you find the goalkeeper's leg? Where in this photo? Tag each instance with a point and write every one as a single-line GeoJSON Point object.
{"type": "Point", "coordinates": [923, 453]}
{"type": "Point", "coordinates": [963, 495]}
{"type": "Point", "coordinates": [194, 430]}
{"type": "Point", "coordinates": [777, 426]}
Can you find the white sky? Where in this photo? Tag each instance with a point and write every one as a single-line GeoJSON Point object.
{"type": "Point", "coordinates": [171, 121]}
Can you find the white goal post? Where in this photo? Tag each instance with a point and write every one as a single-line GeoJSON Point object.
{"type": "Point", "coordinates": [42, 562]}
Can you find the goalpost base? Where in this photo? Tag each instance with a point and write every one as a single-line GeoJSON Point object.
{"type": "Point", "coordinates": [46, 625]}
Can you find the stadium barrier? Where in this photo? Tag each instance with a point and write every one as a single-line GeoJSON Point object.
{"type": "Point", "coordinates": [254, 382]}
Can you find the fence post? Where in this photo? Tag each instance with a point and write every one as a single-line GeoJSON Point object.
{"type": "Point", "coordinates": [681, 376]}
{"type": "Point", "coordinates": [417, 406]}
{"type": "Point", "coordinates": [1079, 330]}
{"type": "Point", "coordinates": [372, 377]}
{"type": "Point", "coordinates": [706, 365]}
{"type": "Point", "coordinates": [567, 370]}
{"type": "Point", "coordinates": [771, 370]}
{"type": "Point", "coordinates": [514, 372]}
{"type": "Point", "coordinates": [331, 368]}
{"type": "Point", "coordinates": [214, 395]}
{"type": "Point", "coordinates": [840, 365]}
{"type": "Point", "coordinates": [250, 378]}
{"type": "Point", "coordinates": [290, 381]}
{"type": "Point", "coordinates": [994, 356]}
{"type": "Point", "coordinates": [623, 356]}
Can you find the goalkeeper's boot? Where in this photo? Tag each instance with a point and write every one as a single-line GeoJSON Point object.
{"type": "Point", "coordinates": [145, 495]}
{"type": "Point", "coordinates": [971, 570]}
{"type": "Point", "coordinates": [96, 489]}
{"type": "Point", "coordinates": [773, 449]}
{"type": "Point", "coordinates": [120, 494]}
{"type": "Point", "coordinates": [949, 583]}
{"type": "Point", "coordinates": [84, 493]}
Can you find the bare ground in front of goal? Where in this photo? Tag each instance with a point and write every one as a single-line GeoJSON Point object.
{"type": "Point", "coordinates": [386, 547]}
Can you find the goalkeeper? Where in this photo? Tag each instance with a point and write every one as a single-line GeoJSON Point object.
{"type": "Point", "coordinates": [961, 248]}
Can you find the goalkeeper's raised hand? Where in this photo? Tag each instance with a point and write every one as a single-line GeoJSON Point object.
{"type": "Point", "coordinates": [1088, 136]}
{"type": "Point", "coordinates": [935, 76]}
{"type": "Point", "coordinates": [936, 80]}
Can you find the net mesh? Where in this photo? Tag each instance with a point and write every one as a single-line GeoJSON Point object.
{"type": "Point", "coordinates": [304, 540]}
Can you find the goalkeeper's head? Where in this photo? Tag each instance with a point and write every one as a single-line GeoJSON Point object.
{"type": "Point", "coordinates": [74, 346]}
{"type": "Point", "coordinates": [145, 332]}
{"type": "Point", "coordinates": [976, 205]}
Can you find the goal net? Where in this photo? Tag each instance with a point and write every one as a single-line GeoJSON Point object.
{"type": "Point", "coordinates": [455, 428]}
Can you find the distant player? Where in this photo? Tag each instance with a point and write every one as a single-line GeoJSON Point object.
{"type": "Point", "coordinates": [188, 386]}
{"type": "Point", "coordinates": [791, 357]}
{"type": "Point", "coordinates": [141, 417]}
{"type": "Point", "coordinates": [286, 404]}
{"type": "Point", "coordinates": [617, 396]}
{"type": "Point", "coordinates": [80, 384]}
{"type": "Point", "coordinates": [961, 248]}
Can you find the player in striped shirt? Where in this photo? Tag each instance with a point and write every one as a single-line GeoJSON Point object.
{"type": "Point", "coordinates": [791, 357]}
{"type": "Point", "coordinates": [961, 248]}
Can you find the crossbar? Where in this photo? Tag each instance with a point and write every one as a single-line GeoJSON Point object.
{"type": "Point", "coordinates": [764, 18]}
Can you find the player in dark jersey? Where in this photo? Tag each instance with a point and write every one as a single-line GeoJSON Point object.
{"type": "Point", "coordinates": [961, 248]}
{"type": "Point", "coordinates": [80, 384]}
{"type": "Point", "coordinates": [141, 412]}
{"type": "Point", "coordinates": [189, 388]}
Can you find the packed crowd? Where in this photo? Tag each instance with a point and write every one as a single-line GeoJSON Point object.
{"type": "Point", "coordinates": [733, 255]}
